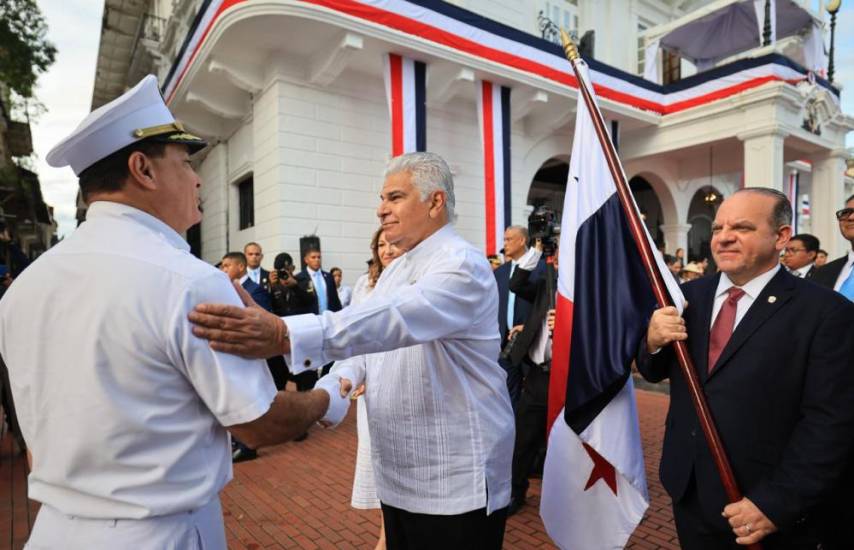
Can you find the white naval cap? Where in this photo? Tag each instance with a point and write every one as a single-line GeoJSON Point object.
{"type": "Point", "coordinates": [138, 114]}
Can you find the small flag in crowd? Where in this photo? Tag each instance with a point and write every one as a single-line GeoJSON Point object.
{"type": "Point", "coordinates": [594, 487]}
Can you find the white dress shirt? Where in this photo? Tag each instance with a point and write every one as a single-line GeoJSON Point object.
{"type": "Point", "coordinates": [440, 418]}
{"type": "Point", "coordinates": [846, 270]}
{"type": "Point", "coordinates": [254, 274]}
{"type": "Point", "coordinates": [541, 348]}
{"type": "Point", "coordinates": [751, 291]}
{"type": "Point", "coordinates": [511, 298]}
{"type": "Point", "coordinates": [801, 272]}
{"type": "Point", "coordinates": [122, 406]}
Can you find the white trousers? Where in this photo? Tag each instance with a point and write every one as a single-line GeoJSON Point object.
{"type": "Point", "coordinates": [201, 529]}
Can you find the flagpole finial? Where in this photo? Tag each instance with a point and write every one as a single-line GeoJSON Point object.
{"type": "Point", "coordinates": [568, 46]}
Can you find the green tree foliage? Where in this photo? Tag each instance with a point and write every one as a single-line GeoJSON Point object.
{"type": "Point", "coordinates": [24, 51]}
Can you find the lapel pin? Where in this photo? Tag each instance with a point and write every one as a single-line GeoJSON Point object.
{"type": "Point", "coordinates": [772, 299]}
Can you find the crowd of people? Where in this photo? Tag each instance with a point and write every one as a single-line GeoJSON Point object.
{"type": "Point", "coordinates": [150, 361]}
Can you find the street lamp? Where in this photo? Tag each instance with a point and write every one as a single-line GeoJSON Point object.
{"type": "Point", "coordinates": [832, 7]}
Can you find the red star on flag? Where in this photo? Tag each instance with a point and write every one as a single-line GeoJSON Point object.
{"type": "Point", "coordinates": [602, 469]}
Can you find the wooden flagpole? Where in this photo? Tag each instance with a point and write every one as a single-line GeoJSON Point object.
{"type": "Point", "coordinates": [659, 288]}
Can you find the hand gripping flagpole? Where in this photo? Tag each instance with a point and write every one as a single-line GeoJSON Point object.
{"type": "Point", "coordinates": [659, 289]}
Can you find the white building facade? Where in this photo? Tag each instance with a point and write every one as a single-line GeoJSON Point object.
{"type": "Point", "coordinates": [291, 95]}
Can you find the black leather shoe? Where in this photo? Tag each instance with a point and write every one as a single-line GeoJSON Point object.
{"type": "Point", "coordinates": [243, 454]}
{"type": "Point", "coordinates": [516, 504]}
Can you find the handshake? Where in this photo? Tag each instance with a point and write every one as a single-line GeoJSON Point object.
{"type": "Point", "coordinates": [339, 390]}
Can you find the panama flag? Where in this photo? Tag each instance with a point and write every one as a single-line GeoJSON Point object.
{"type": "Point", "coordinates": [594, 488]}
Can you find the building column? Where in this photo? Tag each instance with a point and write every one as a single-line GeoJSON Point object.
{"type": "Point", "coordinates": [676, 236]}
{"type": "Point", "coordinates": [763, 159]}
{"type": "Point", "coordinates": [826, 197]}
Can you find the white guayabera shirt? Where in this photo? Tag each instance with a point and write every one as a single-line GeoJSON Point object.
{"type": "Point", "coordinates": [440, 419]}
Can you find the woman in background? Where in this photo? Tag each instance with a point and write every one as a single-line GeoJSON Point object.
{"type": "Point", "coordinates": [364, 490]}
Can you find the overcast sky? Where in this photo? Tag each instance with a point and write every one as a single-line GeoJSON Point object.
{"type": "Point", "coordinates": [66, 89]}
{"type": "Point", "coordinates": [74, 27]}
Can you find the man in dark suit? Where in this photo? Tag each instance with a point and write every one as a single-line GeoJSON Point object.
{"type": "Point", "coordinates": [324, 297]}
{"type": "Point", "coordinates": [800, 254]}
{"type": "Point", "coordinates": [773, 354]}
{"type": "Point", "coordinates": [233, 264]}
{"type": "Point", "coordinates": [258, 274]}
{"type": "Point", "coordinates": [512, 309]}
{"type": "Point", "coordinates": [322, 285]}
{"type": "Point", "coordinates": [531, 356]}
{"type": "Point", "coordinates": [839, 274]}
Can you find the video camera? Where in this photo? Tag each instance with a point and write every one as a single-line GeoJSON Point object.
{"type": "Point", "coordinates": [542, 225]}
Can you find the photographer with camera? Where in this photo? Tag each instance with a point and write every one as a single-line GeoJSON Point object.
{"type": "Point", "coordinates": [532, 348]}
{"type": "Point", "coordinates": [288, 295]}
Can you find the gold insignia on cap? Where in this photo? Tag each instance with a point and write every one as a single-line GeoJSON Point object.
{"type": "Point", "coordinates": [142, 133]}
{"type": "Point", "coordinates": [772, 299]}
{"type": "Point", "coordinates": [184, 137]}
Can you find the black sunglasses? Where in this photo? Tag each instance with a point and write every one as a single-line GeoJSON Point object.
{"type": "Point", "coordinates": [844, 213]}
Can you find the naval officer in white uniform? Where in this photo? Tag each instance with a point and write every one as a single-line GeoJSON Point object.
{"type": "Point", "coordinates": [126, 412]}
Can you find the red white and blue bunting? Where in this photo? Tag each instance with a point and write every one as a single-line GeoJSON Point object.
{"type": "Point", "coordinates": [405, 86]}
{"type": "Point", "coordinates": [451, 27]}
{"type": "Point", "coordinates": [493, 109]}
{"type": "Point", "coordinates": [792, 192]}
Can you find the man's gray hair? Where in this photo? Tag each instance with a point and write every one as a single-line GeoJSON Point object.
{"type": "Point", "coordinates": [782, 213]}
{"type": "Point", "coordinates": [521, 229]}
{"type": "Point", "coordinates": [429, 172]}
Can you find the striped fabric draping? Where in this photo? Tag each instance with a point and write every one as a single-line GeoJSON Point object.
{"type": "Point", "coordinates": [493, 109]}
{"type": "Point", "coordinates": [462, 31]}
{"type": "Point", "coordinates": [405, 86]}
{"type": "Point", "coordinates": [792, 192]}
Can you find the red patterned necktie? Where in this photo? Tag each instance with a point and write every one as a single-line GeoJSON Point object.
{"type": "Point", "coordinates": [723, 325]}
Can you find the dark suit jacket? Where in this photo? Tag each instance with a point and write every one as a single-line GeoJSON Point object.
{"type": "Point", "coordinates": [264, 279]}
{"type": "Point", "coordinates": [780, 394]}
{"type": "Point", "coordinates": [838, 513]}
{"type": "Point", "coordinates": [261, 296]}
{"type": "Point", "coordinates": [532, 289]}
{"type": "Point", "coordinates": [332, 300]}
{"type": "Point", "coordinates": [827, 274]}
{"type": "Point", "coordinates": [522, 307]}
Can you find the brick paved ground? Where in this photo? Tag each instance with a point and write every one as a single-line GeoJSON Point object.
{"type": "Point", "coordinates": [277, 501]}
